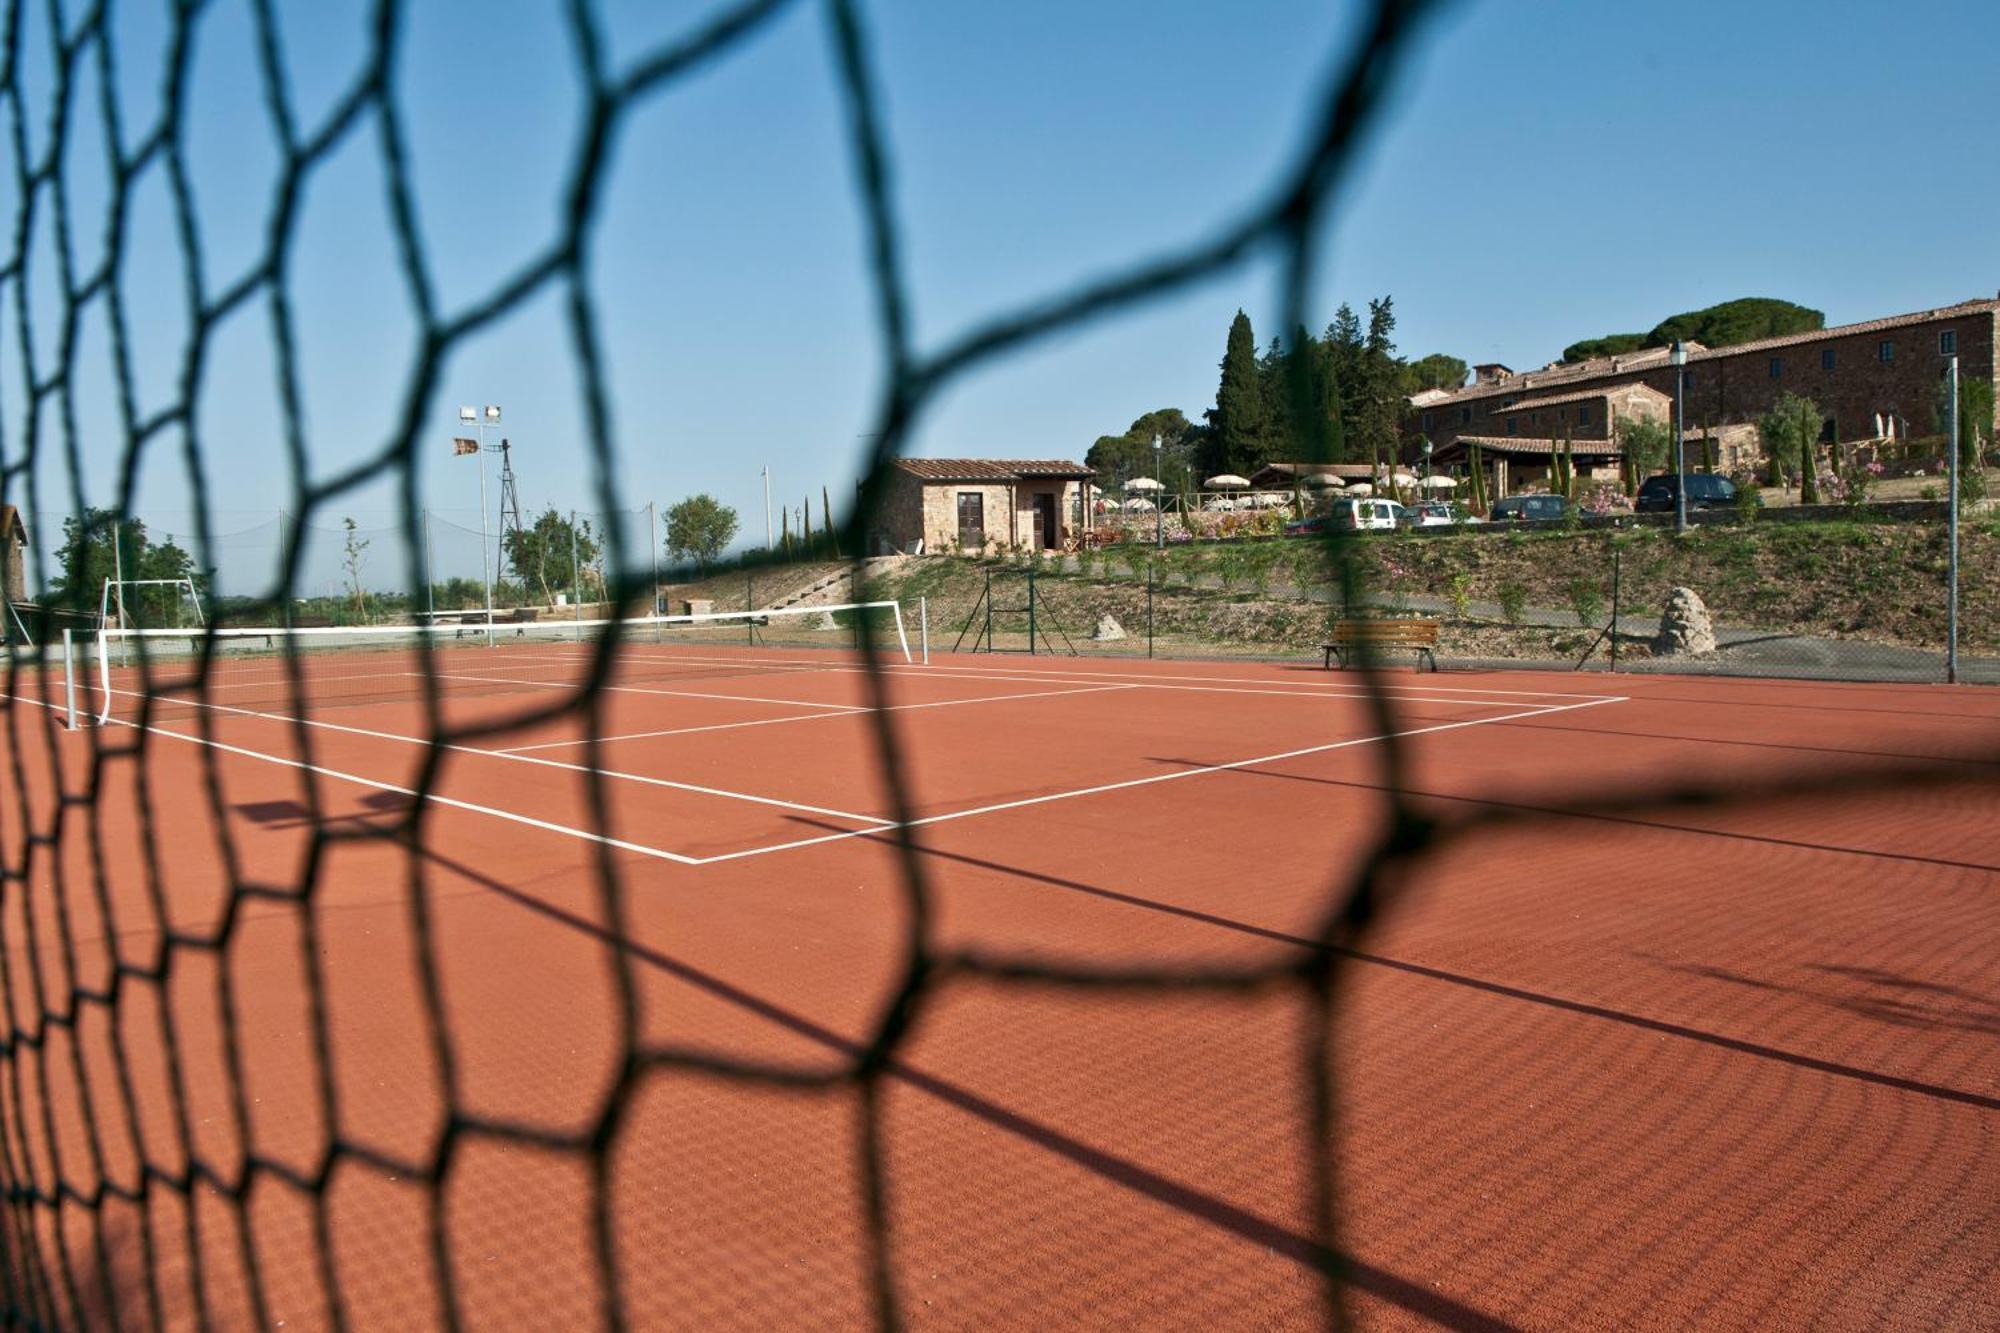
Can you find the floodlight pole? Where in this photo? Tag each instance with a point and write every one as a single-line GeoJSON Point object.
{"type": "Point", "coordinates": [1159, 499]}
{"type": "Point", "coordinates": [1679, 358]}
{"type": "Point", "coordinates": [767, 507]}
{"type": "Point", "coordinates": [1951, 523]}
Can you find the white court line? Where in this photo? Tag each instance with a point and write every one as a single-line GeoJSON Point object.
{"type": "Point", "coordinates": [636, 689]}
{"type": "Point", "coordinates": [585, 835]}
{"type": "Point", "coordinates": [848, 815]}
{"type": "Point", "coordinates": [1176, 776]}
{"type": "Point", "coordinates": [813, 717]}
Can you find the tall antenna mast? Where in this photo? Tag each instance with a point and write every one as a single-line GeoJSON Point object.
{"type": "Point", "coordinates": [510, 500]}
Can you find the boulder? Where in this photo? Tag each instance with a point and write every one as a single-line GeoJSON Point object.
{"type": "Point", "coordinates": [1108, 629]}
{"type": "Point", "coordinates": [1685, 627]}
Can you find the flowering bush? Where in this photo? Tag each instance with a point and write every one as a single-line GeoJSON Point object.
{"type": "Point", "coordinates": [1603, 498]}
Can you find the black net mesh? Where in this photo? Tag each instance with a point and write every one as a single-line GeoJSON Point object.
{"type": "Point", "coordinates": [220, 1104]}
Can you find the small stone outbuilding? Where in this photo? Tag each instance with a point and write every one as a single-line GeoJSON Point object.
{"type": "Point", "coordinates": [979, 504]}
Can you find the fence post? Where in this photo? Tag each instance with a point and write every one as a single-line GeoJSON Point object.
{"type": "Point", "coordinates": [1616, 555]}
{"type": "Point", "coordinates": [1149, 608]}
{"type": "Point", "coordinates": [749, 604]}
{"type": "Point", "coordinates": [430, 583]}
{"type": "Point", "coordinates": [1951, 563]}
{"type": "Point", "coordinates": [924, 626]}
{"type": "Point", "coordinates": [1031, 610]}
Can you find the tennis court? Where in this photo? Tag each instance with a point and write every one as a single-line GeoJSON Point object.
{"type": "Point", "coordinates": [1604, 1060]}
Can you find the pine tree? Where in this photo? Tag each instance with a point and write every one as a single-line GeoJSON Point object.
{"type": "Point", "coordinates": [826, 512]}
{"type": "Point", "coordinates": [1242, 417]}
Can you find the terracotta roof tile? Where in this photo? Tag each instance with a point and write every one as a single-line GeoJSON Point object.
{"type": "Point", "coordinates": [1583, 395]}
{"type": "Point", "coordinates": [1515, 444]}
{"type": "Point", "coordinates": [990, 469]}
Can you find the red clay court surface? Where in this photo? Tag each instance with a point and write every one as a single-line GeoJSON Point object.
{"type": "Point", "coordinates": [1725, 1065]}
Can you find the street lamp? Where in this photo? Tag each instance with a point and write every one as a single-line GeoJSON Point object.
{"type": "Point", "coordinates": [1159, 501]}
{"type": "Point", "coordinates": [1427, 462]}
{"type": "Point", "coordinates": [1679, 357]}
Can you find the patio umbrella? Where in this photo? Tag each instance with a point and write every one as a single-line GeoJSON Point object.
{"type": "Point", "coordinates": [1361, 488]}
{"type": "Point", "coordinates": [1326, 479]}
{"type": "Point", "coordinates": [1228, 481]}
{"type": "Point", "coordinates": [1143, 484]}
{"type": "Point", "coordinates": [1138, 506]}
{"type": "Point", "coordinates": [1438, 483]}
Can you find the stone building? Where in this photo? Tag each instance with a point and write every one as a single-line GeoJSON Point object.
{"type": "Point", "coordinates": [975, 504]}
{"type": "Point", "coordinates": [1874, 379]}
{"type": "Point", "coordinates": [1518, 449]}
{"type": "Point", "coordinates": [13, 554]}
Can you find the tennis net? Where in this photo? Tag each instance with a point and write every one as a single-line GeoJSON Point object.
{"type": "Point", "coordinates": [139, 676]}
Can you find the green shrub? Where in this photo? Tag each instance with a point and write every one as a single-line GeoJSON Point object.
{"type": "Point", "coordinates": [1513, 599]}
{"type": "Point", "coordinates": [1459, 590]}
{"type": "Point", "coordinates": [1586, 598]}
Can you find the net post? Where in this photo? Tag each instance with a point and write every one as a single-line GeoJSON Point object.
{"type": "Point", "coordinates": [901, 638]}
{"type": "Point", "coordinates": [104, 676]}
{"type": "Point", "coordinates": [924, 626]}
{"type": "Point", "coordinates": [69, 678]}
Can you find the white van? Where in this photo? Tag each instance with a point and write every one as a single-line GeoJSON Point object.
{"type": "Point", "coordinates": [1367, 515]}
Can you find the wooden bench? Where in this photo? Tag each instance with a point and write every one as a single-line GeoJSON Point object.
{"type": "Point", "coordinates": [1419, 634]}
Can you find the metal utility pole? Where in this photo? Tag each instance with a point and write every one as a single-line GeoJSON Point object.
{"type": "Point", "coordinates": [653, 544]}
{"type": "Point", "coordinates": [510, 506]}
{"type": "Point", "coordinates": [1951, 565]}
{"type": "Point", "coordinates": [118, 565]}
{"type": "Point", "coordinates": [1679, 357]}
{"type": "Point", "coordinates": [575, 578]}
{"type": "Point", "coordinates": [767, 506]}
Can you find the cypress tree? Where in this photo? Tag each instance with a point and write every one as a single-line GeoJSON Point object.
{"type": "Point", "coordinates": [1242, 406]}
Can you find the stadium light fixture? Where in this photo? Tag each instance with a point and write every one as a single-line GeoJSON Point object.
{"type": "Point", "coordinates": [467, 414]}
{"type": "Point", "coordinates": [492, 416]}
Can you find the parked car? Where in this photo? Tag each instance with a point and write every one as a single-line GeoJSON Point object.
{"type": "Point", "coordinates": [1306, 527]}
{"type": "Point", "coordinates": [1368, 515]}
{"type": "Point", "coordinates": [1705, 491]}
{"type": "Point", "coordinates": [1442, 514]}
{"type": "Point", "coordinates": [1531, 508]}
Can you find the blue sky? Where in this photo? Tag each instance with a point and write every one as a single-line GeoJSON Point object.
{"type": "Point", "coordinates": [1549, 171]}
